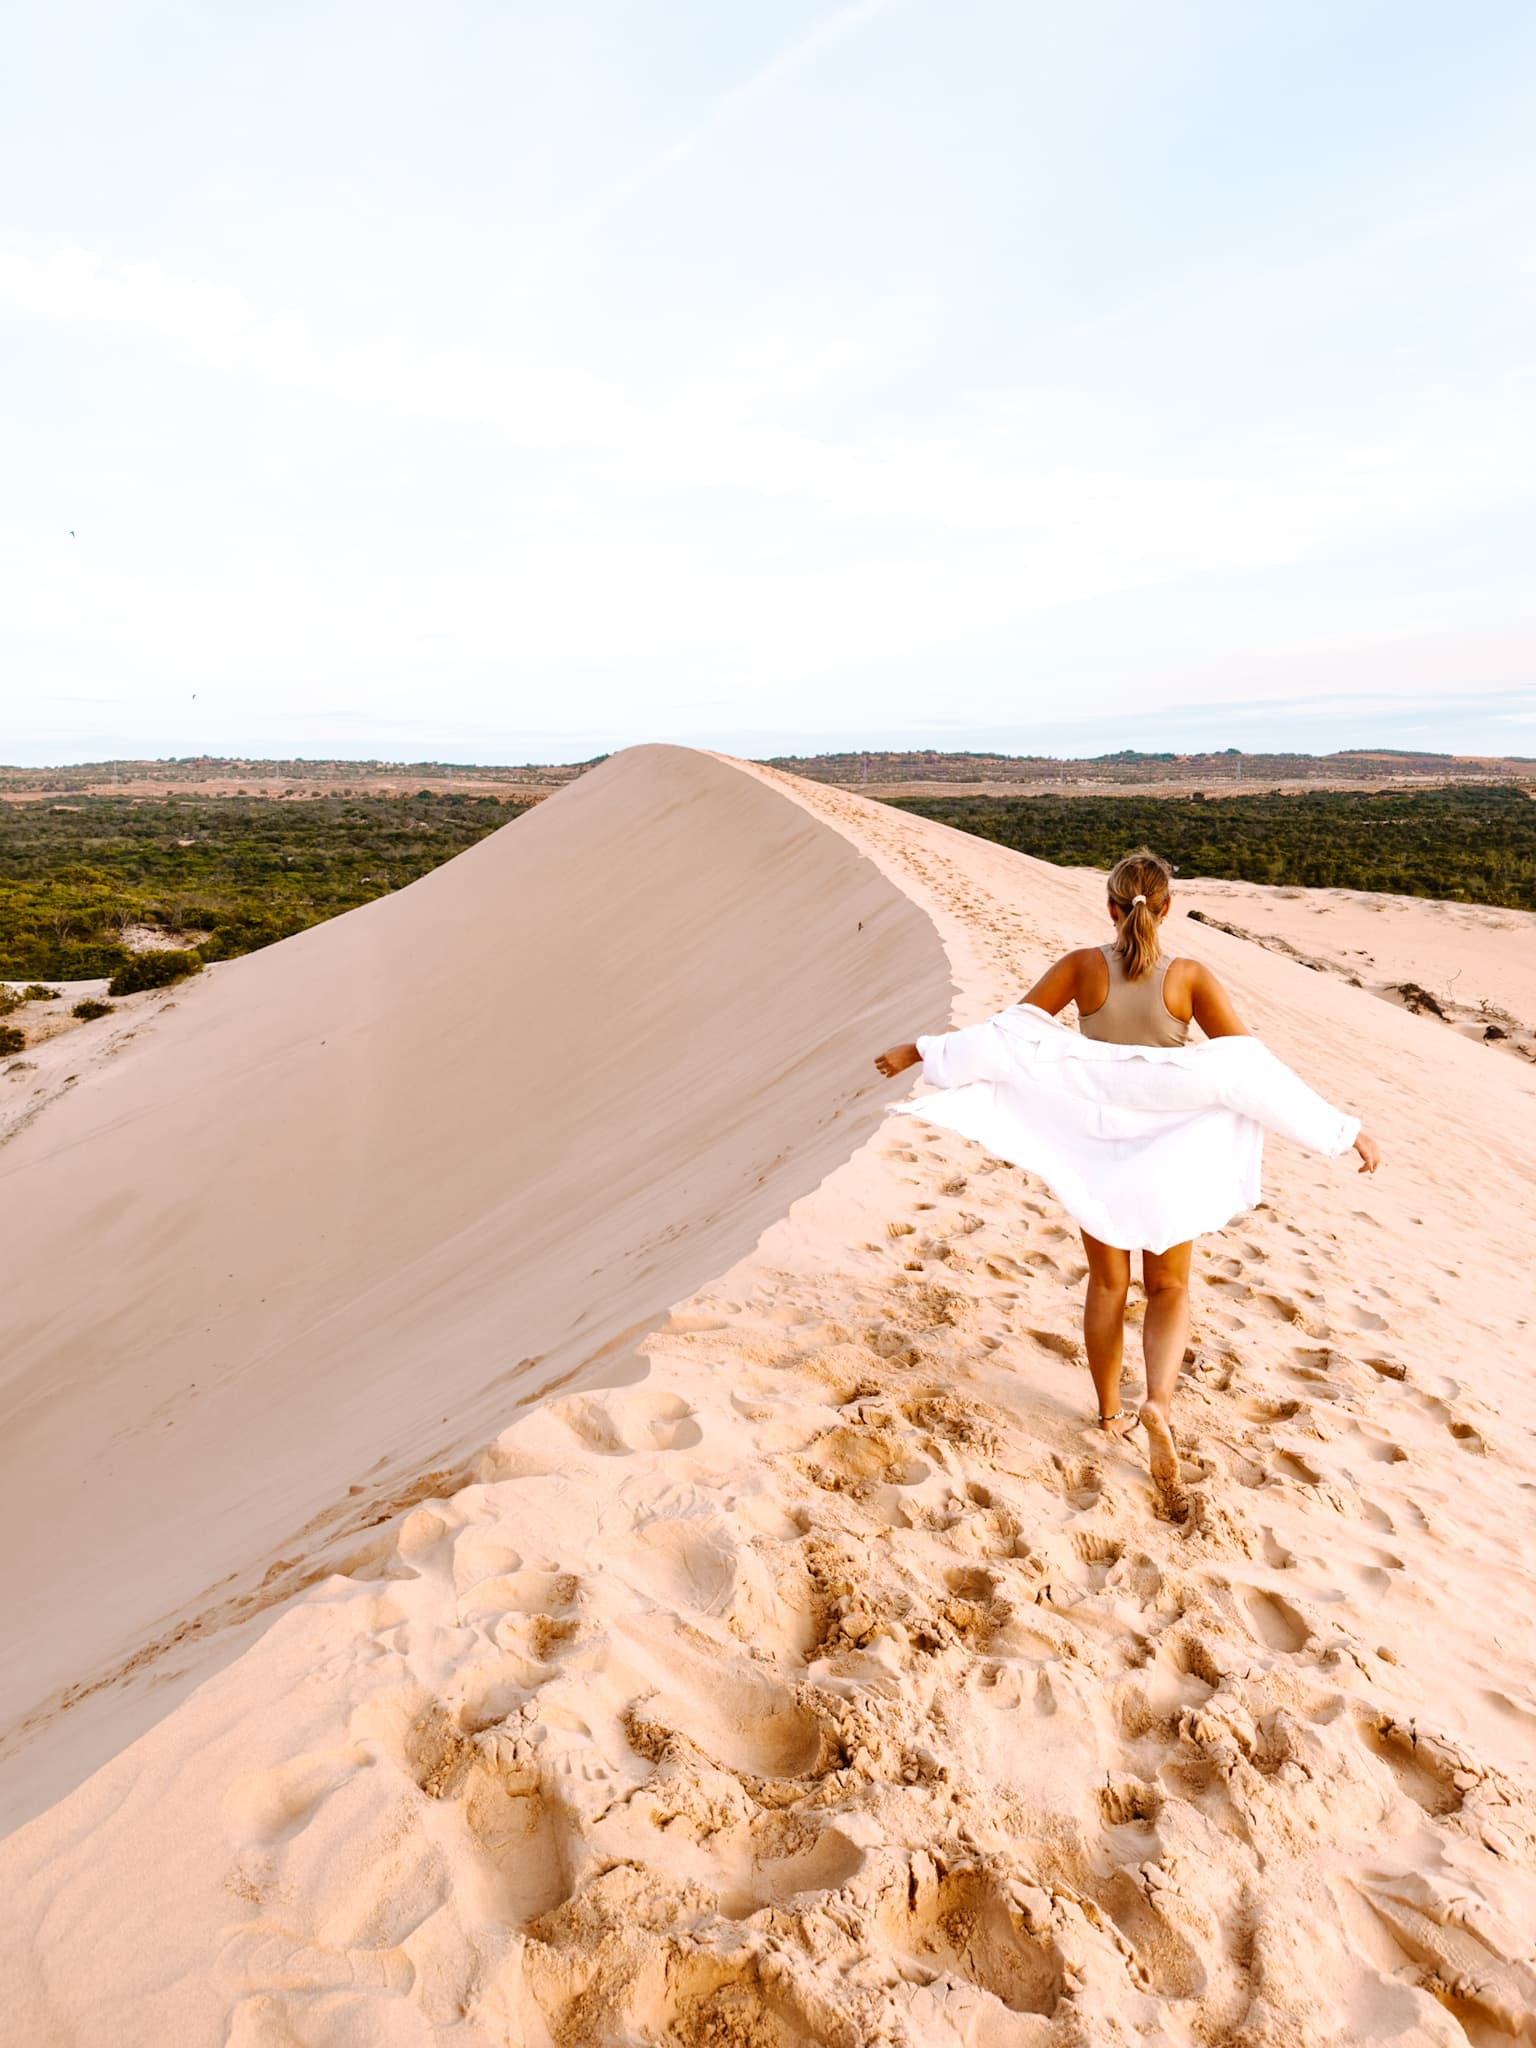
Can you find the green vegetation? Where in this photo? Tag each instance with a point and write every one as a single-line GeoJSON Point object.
{"type": "Point", "coordinates": [12, 1040]}
{"type": "Point", "coordinates": [215, 877]}
{"type": "Point", "coordinates": [235, 873]}
{"type": "Point", "coordinates": [34, 992]}
{"type": "Point", "coordinates": [154, 970]}
{"type": "Point", "coordinates": [90, 1009]}
{"type": "Point", "coordinates": [1470, 845]}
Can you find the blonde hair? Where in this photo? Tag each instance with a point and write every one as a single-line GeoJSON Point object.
{"type": "Point", "coordinates": [1138, 889]}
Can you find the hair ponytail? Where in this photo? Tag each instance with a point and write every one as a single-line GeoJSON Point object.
{"type": "Point", "coordinates": [1139, 888]}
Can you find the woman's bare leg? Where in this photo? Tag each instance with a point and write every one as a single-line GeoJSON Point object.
{"type": "Point", "coordinates": [1109, 1280]}
{"type": "Point", "coordinates": [1165, 1337]}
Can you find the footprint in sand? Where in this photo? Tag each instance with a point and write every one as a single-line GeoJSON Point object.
{"type": "Point", "coordinates": [1262, 1408]}
{"type": "Point", "coordinates": [478, 1555]}
{"type": "Point", "coordinates": [1276, 1556]}
{"type": "Point", "coordinates": [1365, 1318]}
{"type": "Point", "coordinates": [745, 1724]}
{"type": "Point", "coordinates": [1129, 1802]}
{"type": "Point", "coordinates": [1385, 1452]}
{"type": "Point", "coordinates": [267, 1808]}
{"type": "Point", "coordinates": [1287, 1311]}
{"type": "Point", "coordinates": [1275, 1622]}
{"type": "Point", "coordinates": [961, 1922]}
{"type": "Point", "coordinates": [1423, 1768]}
{"type": "Point", "coordinates": [1081, 1482]}
{"type": "Point", "coordinates": [1098, 1554]}
{"type": "Point", "coordinates": [1287, 1465]}
{"type": "Point", "coordinates": [687, 1562]}
{"type": "Point", "coordinates": [529, 1613]}
{"type": "Point", "coordinates": [521, 1838]}
{"type": "Point", "coordinates": [851, 1460]}
{"type": "Point", "coordinates": [781, 1866]}
{"type": "Point", "coordinates": [1485, 1960]}
{"type": "Point", "coordinates": [617, 1425]}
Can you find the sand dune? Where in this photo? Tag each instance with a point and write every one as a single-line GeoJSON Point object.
{"type": "Point", "coordinates": [345, 1205]}
{"type": "Point", "coordinates": [833, 1684]}
{"type": "Point", "coordinates": [1472, 964]}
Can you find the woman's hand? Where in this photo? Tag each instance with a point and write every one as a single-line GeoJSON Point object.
{"type": "Point", "coordinates": [898, 1059]}
{"type": "Point", "coordinates": [1370, 1152]}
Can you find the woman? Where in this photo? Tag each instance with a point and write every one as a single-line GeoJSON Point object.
{"type": "Point", "coordinates": [1145, 1139]}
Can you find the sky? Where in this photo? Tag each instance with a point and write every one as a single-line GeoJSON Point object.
{"type": "Point", "coordinates": [500, 382]}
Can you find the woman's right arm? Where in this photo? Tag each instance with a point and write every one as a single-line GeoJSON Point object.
{"type": "Point", "coordinates": [962, 1055]}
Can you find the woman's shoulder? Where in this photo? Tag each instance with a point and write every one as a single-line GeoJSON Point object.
{"type": "Point", "coordinates": [1090, 977]}
{"type": "Point", "coordinates": [1189, 980]}
{"type": "Point", "coordinates": [1181, 982]}
{"type": "Point", "coordinates": [1188, 970]}
{"type": "Point", "coordinates": [1090, 960]}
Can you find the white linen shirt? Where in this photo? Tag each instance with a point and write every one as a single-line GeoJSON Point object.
{"type": "Point", "coordinates": [1143, 1145]}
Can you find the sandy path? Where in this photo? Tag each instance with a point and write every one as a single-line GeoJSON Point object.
{"type": "Point", "coordinates": [834, 1684]}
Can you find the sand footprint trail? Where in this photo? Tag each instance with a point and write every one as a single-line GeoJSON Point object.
{"type": "Point", "coordinates": [833, 1684]}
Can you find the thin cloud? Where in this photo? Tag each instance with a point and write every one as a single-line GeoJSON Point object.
{"type": "Point", "coordinates": [728, 110]}
{"type": "Point", "coordinates": [617, 198]}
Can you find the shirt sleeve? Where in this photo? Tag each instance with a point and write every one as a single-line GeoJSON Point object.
{"type": "Point", "coordinates": [951, 1058]}
{"type": "Point", "coordinates": [1259, 1085]}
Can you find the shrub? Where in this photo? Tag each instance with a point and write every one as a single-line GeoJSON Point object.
{"type": "Point", "coordinates": [90, 1008]}
{"type": "Point", "coordinates": [12, 1040]}
{"type": "Point", "coordinates": [39, 992]}
{"type": "Point", "coordinates": [10, 999]}
{"type": "Point", "coordinates": [153, 970]}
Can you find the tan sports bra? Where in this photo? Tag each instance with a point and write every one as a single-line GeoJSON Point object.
{"type": "Point", "coordinates": [1134, 1013]}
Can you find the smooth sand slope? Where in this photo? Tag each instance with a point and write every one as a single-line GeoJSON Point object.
{"type": "Point", "coordinates": [834, 1684]}
{"type": "Point", "coordinates": [345, 1205]}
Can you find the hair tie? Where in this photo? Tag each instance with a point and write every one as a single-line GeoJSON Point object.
{"type": "Point", "coordinates": [1138, 899]}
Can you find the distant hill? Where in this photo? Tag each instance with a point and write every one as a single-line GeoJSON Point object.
{"type": "Point", "coordinates": [218, 775]}
{"type": "Point", "coordinates": [1230, 767]}
{"type": "Point", "coordinates": [880, 771]}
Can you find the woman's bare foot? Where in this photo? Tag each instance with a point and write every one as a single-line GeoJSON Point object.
{"type": "Point", "coordinates": [1119, 1424]}
{"type": "Point", "coordinates": [1162, 1452]}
